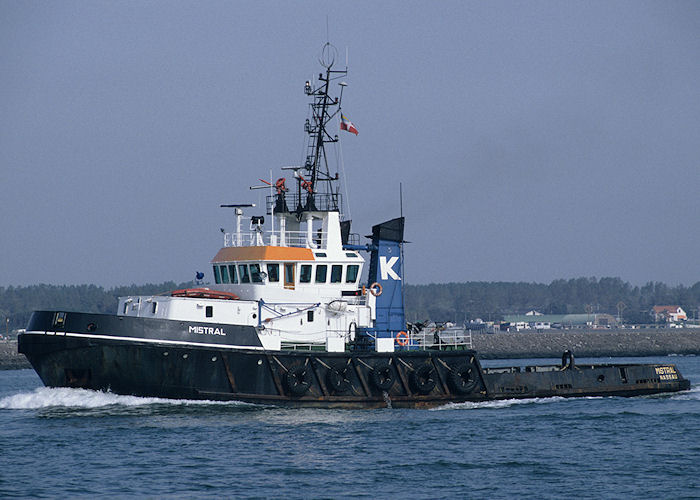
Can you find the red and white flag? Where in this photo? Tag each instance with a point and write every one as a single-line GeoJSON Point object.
{"type": "Point", "coordinates": [346, 124]}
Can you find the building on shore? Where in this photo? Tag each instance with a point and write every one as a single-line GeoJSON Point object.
{"type": "Point", "coordinates": [668, 314]}
{"type": "Point", "coordinates": [540, 322]}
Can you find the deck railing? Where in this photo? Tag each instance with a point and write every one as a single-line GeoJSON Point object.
{"type": "Point", "coordinates": [433, 337]}
{"type": "Point", "coordinates": [321, 202]}
{"type": "Point", "coordinates": [442, 337]}
{"type": "Point", "coordinates": [274, 238]}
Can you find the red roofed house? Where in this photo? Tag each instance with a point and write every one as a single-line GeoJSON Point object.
{"type": "Point", "coordinates": [670, 314]}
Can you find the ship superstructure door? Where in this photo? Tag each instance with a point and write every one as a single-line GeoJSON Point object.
{"type": "Point", "coordinates": [289, 276]}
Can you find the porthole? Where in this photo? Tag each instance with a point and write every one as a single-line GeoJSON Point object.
{"type": "Point", "coordinates": [260, 361]}
{"type": "Point", "coordinates": [165, 353]}
{"type": "Point", "coordinates": [213, 358]}
{"type": "Point", "coordinates": [184, 356]}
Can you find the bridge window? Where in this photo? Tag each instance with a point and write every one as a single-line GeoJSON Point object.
{"type": "Point", "coordinates": [273, 273]}
{"type": "Point", "coordinates": [217, 276]}
{"type": "Point", "coordinates": [350, 254]}
{"type": "Point", "coordinates": [232, 272]}
{"type": "Point", "coordinates": [305, 274]}
{"type": "Point", "coordinates": [289, 276]}
{"type": "Point", "coordinates": [154, 307]}
{"type": "Point", "coordinates": [224, 274]}
{"type": "Point", "coordinates": [351, 274]}
{"type": "Point", "coordinates": [243, 273]}
{"type": "Point", "coordinates": [336, 273]}
{"type": "Point", "coordinates": [321, 272]}
{"type": "Point", "coordinates": [255, 273]}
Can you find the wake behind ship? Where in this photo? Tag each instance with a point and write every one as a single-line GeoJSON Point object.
{"type": "Point", "coordinates": [290, 320]}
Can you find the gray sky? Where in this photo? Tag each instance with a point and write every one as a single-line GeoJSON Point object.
{"type": "Point", "coordinates": [534, 140]}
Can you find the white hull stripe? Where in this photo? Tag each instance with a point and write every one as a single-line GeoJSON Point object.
{"type": "Point", "coordinates": [152, 341]}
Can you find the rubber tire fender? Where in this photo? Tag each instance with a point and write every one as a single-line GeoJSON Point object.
{"type": "Point", "coordinates": [298, 379]}
{"type": "Point", "coordinates": [423, 378]}
{"type": "Point", "coordinates": [337, 381]}
{"type": "Point", "coordinates": [463, 378]}
{"type": "Point", "coordinates": [382, 376]}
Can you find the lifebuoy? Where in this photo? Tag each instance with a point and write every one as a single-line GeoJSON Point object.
{"type": "Point", "coordinates": [298, 380]}
{"type": "Point", "coordinates": [463, 378]}
{"type": "Point", "coordinates": [383, 376]}
{"type": "Point", "coordinates": [402, 338]}
{"type": "Point", "coordinates": [375, 289]}
{"type": "Point", "coordinates": [423, 378]}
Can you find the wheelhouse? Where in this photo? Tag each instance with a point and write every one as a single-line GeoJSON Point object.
{"type": "Point", "coordinates": [293, 256]}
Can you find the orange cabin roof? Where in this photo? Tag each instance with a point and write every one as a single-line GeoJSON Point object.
{"type": "Point", "coordinates": [234, 254]}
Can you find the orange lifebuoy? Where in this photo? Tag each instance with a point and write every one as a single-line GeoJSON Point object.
{"type": "Point", "coordinates": [402, 338]}
{"type": "Point", "coordinates": [375, 289]}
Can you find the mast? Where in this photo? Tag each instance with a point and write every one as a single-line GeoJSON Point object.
{"type": "Point", "coordinates": [315, 188]}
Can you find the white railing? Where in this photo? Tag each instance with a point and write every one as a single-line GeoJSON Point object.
{"type": "Point", "coordinates": [274, 238]}
{"type": "Point", "coordinates": [442, 337]}
{"type": "Point", "coordinates": [439, 338]}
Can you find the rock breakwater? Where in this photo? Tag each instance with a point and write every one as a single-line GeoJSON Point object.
{"type": "Point", "coordinates": [588, 343]}
{"type": "Point", "coordinates": [10, 359]}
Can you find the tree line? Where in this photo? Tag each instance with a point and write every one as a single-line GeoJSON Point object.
{"type": "Point", "coordinates": [491, 300]}
{"type": "Point", "coordinates": [437, 302]}
{"type": "Point", "coordinates": [18, 302]}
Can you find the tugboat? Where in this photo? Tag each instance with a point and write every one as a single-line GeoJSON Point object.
{"type": "Point", "coordinates": [289, 320]}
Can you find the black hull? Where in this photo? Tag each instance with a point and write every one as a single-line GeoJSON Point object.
{"type": "Point", "coordinates": [320, 379]}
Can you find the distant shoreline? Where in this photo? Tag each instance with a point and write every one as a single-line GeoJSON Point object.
{"type": "Point", "coordinates": [589, 343]}
{"type": "Point", "coordinates": [10, 359]}
{"type": "Point", "coordinates": [550, 344]}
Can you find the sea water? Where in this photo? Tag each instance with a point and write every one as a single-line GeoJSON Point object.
{"type": "Point", "coordinates": [69, 443]}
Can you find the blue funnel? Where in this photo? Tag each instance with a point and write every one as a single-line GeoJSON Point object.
{"type": "Point", "coordinates": [386, 268]}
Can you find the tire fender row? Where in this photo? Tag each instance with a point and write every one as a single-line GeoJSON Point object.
{"type": "Point", "coordinates": [319, 377]}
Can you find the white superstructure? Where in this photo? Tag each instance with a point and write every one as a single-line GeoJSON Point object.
{"type": "Point", "coordinates": [296, 286]}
